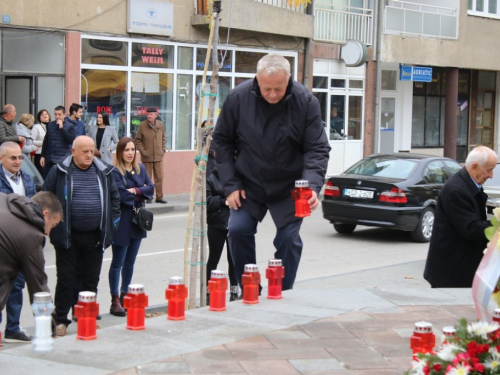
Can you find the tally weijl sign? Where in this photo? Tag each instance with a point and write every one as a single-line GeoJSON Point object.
{"type": "Point", "coordinates": [150, 17]}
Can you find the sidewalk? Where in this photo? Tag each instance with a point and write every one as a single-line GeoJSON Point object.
{"type": "Point", "coordinates": [356, 323]}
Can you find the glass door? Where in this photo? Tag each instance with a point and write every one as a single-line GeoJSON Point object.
{"type": "Point", "coordinates": [19, 91]}
{"type": "Point", "coordinates": [387, 119]}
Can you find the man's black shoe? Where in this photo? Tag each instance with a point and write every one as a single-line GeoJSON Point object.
{"type": "Point", "coordinates": [149, 201]}
{"type": "Point", "coordinates": [161, 200]}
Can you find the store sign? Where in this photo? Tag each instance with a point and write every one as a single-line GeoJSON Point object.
{"type": "Point", "coordinates": [152, 55]}
{"type": "Point", "coordinates": [150, 17]}
{"type": "Point", "coordinates": [415, 73]}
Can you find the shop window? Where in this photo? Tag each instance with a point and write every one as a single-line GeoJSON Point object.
{"type": "Point", "coordinates": [183, 134]}
{"type": "Point", "coordinates": [54, 86]}
{"type": "Point", "coordinates": [25, 49]}
{"type": "Point", "coordinates": [355, 115]}
{"type": "Point", "coordinates": [322, 98]}
{"type": "Point", "coordinates": [149, 55]}
{"type": "Point", "coordinates": [223, 89]}
{"type": "Point", "coordinates": [246, 62]}
{"type": "Point", "coordinates": [239, 80]}
{"type": "Point", "coordinates": [389, 80]}
{"type": "Point", "coordinates": [337, 118]}
{"type": "Point", "coordinates": [185, 58]}
{"type": "Point", "coordinates": [224, 57]}
{"type": "Point", "coordinates": [152, 90]}
{"type": "Point", "coordinates": [104, 91]}
{"type": "Point", "coordinates": [320, 82]}
{"type": "Point", "coordinates": [104, 52]}
{"type": "Point", "coordinates": [355, 84]}
{"type": "Point", "coordinates": [337, 83]}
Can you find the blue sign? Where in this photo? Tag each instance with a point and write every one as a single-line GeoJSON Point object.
{"type": "Point", "coordinates": [5, 19]}
{"type": "Point", "coordinates": [415, 73]}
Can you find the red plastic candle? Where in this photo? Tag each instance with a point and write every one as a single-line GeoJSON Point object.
{"type": "Point", "coordinates": [449, 334]}
{"type": "Point", "coordinates": [301, 195]}
{"type": "Point", "coordinates": [496, 316]}
{"type": "Point", "coordinates": [136, 302]}
{"type": "Point", "coordinates": [86, 311]}
{"type": "Point", "coordinates": [176, 294]}
{"type": "Point", "coordinates": [423, 340]}
{"type": "Point", "coordinates": [251, 281]}
{"type": "Point", "coordinates": [217, 286]}
{"type": "Point", "coordinates": [274, 274]}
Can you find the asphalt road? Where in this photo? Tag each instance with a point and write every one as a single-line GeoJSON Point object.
{"type": "Point", "coordinates": [325, 253]}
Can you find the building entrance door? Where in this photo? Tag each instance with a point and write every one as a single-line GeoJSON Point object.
{"type": "Point", "coordinates": [19, 91]}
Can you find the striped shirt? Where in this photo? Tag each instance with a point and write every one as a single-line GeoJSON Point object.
{"type": "Point", "coordinates": [86, 205]}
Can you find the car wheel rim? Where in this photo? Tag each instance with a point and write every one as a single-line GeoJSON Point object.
{"type": "Point", "coordinates": [427, 223]}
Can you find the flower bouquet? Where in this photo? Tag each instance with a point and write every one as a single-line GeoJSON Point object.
{"type": "Point", "coordinates": [474, 350]}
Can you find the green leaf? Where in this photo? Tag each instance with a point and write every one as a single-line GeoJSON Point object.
{"type": "Point", "coordinates": [490, 232]}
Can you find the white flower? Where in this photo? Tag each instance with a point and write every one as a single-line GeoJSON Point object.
{"type": "Point", "coordinates": [449, 351]}
{"type": "Point", "coordinates": [417, 366]}
{"type": "Point", "coordinates": [461, 369]}
{"type": "Point", "coordinates": [482, 328]}
{"type": "Point", "coordinates": [494, 361]}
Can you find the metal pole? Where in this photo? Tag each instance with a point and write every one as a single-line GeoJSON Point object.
{"type": "Point", "coordinates": [378, 76]}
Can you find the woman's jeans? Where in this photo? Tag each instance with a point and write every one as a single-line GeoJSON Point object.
{"type": "Point", "coordinates": [123, 260]}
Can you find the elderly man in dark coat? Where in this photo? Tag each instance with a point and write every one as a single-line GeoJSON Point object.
{"type": "Point", "coordinates": [268, 135]}
{"type": "Point", "coordinates": [458, 238]}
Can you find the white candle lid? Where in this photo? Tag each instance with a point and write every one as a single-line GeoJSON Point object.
{"type": "Point", "coordinates": [136, 289]}
{"type": "Point", "coordinates": [218, 274]}
{"type": "Point", "coordinates": [176, 280]}
{"type": "Point", "coordinates": [86, 297]}
{"type": "Point", "coordinates": [251, 268]}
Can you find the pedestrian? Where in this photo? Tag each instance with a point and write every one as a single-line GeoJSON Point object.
{"type": "Point", "coordinates": [7, 128]}
{"type": "Point", "coordinates": [217, 222]}
{"type": "Point", "coordinates": [87, 191]}
{"type": "Point", "coordinates": [25, 221]}
{"type": "Point", "coordinates": [268, 135]}
{"type": "Point", "coordinates": [151, 142]}
{"type": "Point", "coordinates": [57, 141]}
{"type": "Point", "coordinates": [458, 239]}
{"type": "Point", "coordinates": [104, 137]}
{"type": "Point", "coordinates": [24, 128]}
{"type": "Point", "coordinates": [135, 188]}
{"type": "Point", "coordinates": [38, 134]}
{"type": "Point", "coordinates": [14, 180]}
{"type": "Point", "coordinates": [75, 115]}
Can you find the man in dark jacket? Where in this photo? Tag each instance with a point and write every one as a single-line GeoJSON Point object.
{"type": "Point", "coordinates": [75, 115]}
{"type": "Point", "coordinates": [7, 128]}
{"type": "Point", "coordinates": [24, 224]}
{"type": "Point", "coordinates": [58, 140]}
{"type": "Point", "coordinates": [458, 238]}
{"type": "Point", "coordinates": [268, 135]}
{"type": "Point", "coordinates": [14, 180]}
{"type": "Point", "coordinates": [87, 191]}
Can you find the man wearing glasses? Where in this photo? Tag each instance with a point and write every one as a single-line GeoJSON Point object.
{"type": "Point", "coordinates": [13, 180]}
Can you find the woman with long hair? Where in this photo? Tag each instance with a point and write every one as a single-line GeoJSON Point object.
{"type": "Point", "coordinates": [38, 133]}
{"type": "Point", "coordinates": [104, 136]}
{"type": "Point", "coordinates": [23, 128]}
{"type": "Point", "coordinates": [135, 188]}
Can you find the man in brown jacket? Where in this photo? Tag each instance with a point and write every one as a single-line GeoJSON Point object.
{"type": "Point", "coordinates": [151, 142]}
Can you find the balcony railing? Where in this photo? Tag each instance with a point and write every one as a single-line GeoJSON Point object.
{"type": "Point", "coordinates": [407, 18]}
{"type": "Point", "coordinates": [202, 5]}
{"type": "Point", "coordinates": [338, 23]}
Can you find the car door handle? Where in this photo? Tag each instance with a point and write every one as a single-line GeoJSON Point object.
{"type": "Point", "coordinates": [437, 191]}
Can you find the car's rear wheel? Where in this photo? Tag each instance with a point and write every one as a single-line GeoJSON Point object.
{"type": "Point", "coordinates": [344, 228]}
{"type": "Point", "coordinates": [423, 231]}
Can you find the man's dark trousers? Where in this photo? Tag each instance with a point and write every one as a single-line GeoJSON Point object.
{"type": "Point", "coordinates": [241, 237]}
{"type": "Point", "coordinates": [84, 257]}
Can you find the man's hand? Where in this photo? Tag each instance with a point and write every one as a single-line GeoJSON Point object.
{"type": "Point", "coordinates": [22, 140]}
{"type": "Point", "coordinates": [60, 124]}
{"type": "Point", "coordinates": [233, 199]}
{"type": "Point", "coordinates": [42, 161]}
{"type": "Point", "coordinates": [314, 201]}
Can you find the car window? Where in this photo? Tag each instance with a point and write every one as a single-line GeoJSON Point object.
{"type": "Point", "coordinates": [496, 177]}
{"type": "Point", "coordinates": [434, 173]}
{"type": "Point", "coordinates": [383, 167]}
{"type": "Point", "coordinates": [452, 166]}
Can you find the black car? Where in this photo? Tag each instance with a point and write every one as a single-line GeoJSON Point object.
{"type": "Point", "coordinates": [28, 167]}
{"type": "Point", "coordinates": [397, 191]}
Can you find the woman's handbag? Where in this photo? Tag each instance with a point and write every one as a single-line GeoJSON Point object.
{"type": "Point", "coordinates": [143, 218]}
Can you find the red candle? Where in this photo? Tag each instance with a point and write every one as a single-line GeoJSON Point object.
{"type": "Point", "coordinates": [217, 286]}
{"type": "Point", "coordinates": [86, 311]}
{"type": "Point", "coordinates": [423, 340]}
{"type": "Point", "coordinates": [136, 302]}
{"type": "Point", "coordinates": [496, 315]}
{"type": "Point", "coordinates": [274, 274]}
{"type": "Point", "coordinates": [301, 195]}
{"type": "Point", "coordinates": [176, 294]}
{"type": "Point", "coordinates": [251, 282]}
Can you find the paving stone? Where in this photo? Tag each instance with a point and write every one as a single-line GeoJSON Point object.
{"type": "Point", "coordinates": [287, 334]}
{"type": "Point", "coordinates": [327, 330]}
{"type": "Point", "coordinates": [360, 358]}
{"type": "Point", "coordinates": [268, 367]}
{"type": "Point", "coordinates": [286, 353]}
{"type": "Point", "coordinates": [380, 337]}
{"type": "Point", "coordinates": [130, 371]}
{"type": "Point", "coordinates": [256, 342]}
{"type": "Point", "coordinates": [217, 359]}
{"type": "Point", "coordinates": [354, 316]}
{"type": "Point", "coordinates": [318, 343]}
{"type": "Point", "coordinates": [306, 366]}
{"type": "Point", "coordinates": [163, 368]}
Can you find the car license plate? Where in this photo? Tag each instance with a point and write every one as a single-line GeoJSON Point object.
{"type": "Point", "coordinates": [354, 193]}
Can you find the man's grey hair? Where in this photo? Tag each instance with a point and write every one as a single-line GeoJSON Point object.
{"type": "Point", "coordinates": [6, 145]}
{"type": "Point", "coordinates": [272, 64]}
{"type": "Point", "coordinates": [479, 155]}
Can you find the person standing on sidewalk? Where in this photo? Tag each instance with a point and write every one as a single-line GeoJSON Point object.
{"type": "Point", "coordinates": [87, 191]}
{"type": "Point", "coordinates": [104, 136]}
{"type": "Point", "coordinates": [75, 115]}
{"type": "Point", "coordinates": [14, 180]}
{"type": "Point", "coordinates": [458, 239]}
{"type": "Point", "coordinates": [7, 128]}
{"type": "Point", "coordinates": [151, 142]}
{"type": "Point", "coordinates": [58, 140]}
{"type": "Point", "coordinates": [217, 222]}
{"type": "Point", "coordinates": [38, 133]}
{"type": "Point", "coordinates": [268, 135]}
{"type": "Point", "coordinates": [135, 188]}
